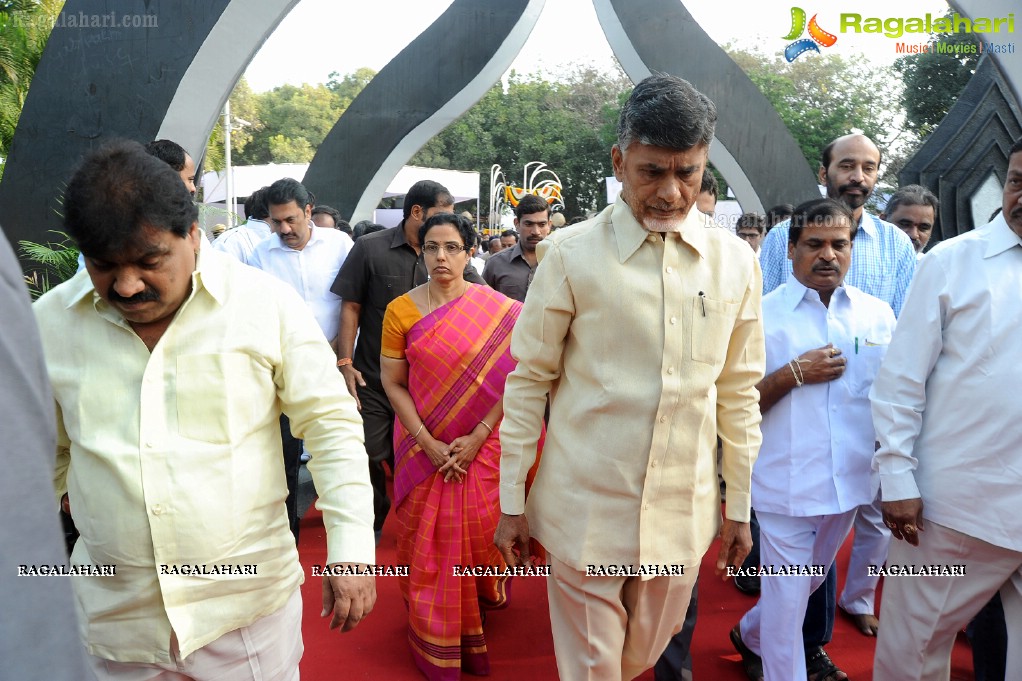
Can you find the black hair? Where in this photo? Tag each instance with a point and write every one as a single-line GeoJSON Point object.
{"type": "Point", "coordinates": [709, 183]}
{"type": "Point", "coordinates": [285, 191]}
{"type": "Point", "coordinates": [911, 195]}
{"type": "Point", "coordinates": [171, 153]}
{"type": "Point", "coordinates": [116, 192]}
{"type": "Point", "coordinates": [818, 211]}
{"type": "Point", "coordinates": [465, 228]}
{"type": "Point", "coordinates": [530, 204]}
{"type": "Point", "coordinates": [510, 232]}
{"type": "Point", "coordinates": [666, 111]}
{"type": "Point", "coordinates": [324, 209]}
{"type": "Point", "coordinates": [255, 205]}
{"type": "Point", "coordinates": [426, 193]}
{"type": "Point", "coordinates": [364, 227]}
{"type": "Point", "coordinates": [779, 213]}
{"type": "Point", "coordinates": [754, 220]}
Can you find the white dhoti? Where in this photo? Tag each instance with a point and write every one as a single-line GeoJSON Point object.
{"type": "Point", "coordinates": [773, 628]}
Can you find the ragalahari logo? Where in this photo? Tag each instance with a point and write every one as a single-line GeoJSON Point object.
{"type": "Point", "coordinates": [817, 36]}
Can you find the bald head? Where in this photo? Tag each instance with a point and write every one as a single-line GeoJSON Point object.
{"type": "Point", "coordinates": [849, 169]}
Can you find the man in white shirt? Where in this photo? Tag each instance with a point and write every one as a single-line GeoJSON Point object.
{"type": "Point", "coordinates": [824, 343]}
{"type": "Point", "coordinates": [304, 256]}
{"type": "Point", "coordinates": [242, 240]}
{"type": "Point", "coordinates": [307, 258]}
{"type": "Point", "coordinates": [946, 410]}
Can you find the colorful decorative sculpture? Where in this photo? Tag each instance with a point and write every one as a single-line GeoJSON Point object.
{"type": "Point", "coordinates": [536, 179]}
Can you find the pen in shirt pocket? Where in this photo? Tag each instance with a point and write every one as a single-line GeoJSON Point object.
{"type": "Point", "coordinates": [702, 301]}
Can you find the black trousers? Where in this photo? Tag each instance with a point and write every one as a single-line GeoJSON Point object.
{"type": "Point", "coordinates": [292, 463]}
{"type": "Point", "coordinates": [378, 425]}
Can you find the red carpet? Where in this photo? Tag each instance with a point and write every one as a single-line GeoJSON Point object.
{"type": "Point", "coordinates": [519, 637]}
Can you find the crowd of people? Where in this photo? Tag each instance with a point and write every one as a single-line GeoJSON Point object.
{"type": "Point", "coordinates": [570, 398]}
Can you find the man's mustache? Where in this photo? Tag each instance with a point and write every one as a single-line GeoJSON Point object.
{"type": "Point", "coordinates": [146, 296]}
{"type": "Point", "coordinates": [853, 185]}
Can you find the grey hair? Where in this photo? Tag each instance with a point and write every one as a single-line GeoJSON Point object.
{"type": "Point", "coordinates": [911, 195]}
{"type": "Point", "coordinates": [666, 111]}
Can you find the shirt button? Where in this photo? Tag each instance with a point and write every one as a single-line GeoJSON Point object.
{"type": "Point", "coordinates": [653, 465]}
{"type": "Point", "coordinates": [674, 320]}
{"type": "Point", "coordinates": [645, 507]}
{"type": "Point", "coordinates": [149, 444]}
{"type": "Point", "coordinates": [663, 419]}
{"type": "Point", "coordinates": [669, 270]}
{"type": "Point", "coordinates": [157, 509]}
{"type": "Point", "coordinates": [670, 370]}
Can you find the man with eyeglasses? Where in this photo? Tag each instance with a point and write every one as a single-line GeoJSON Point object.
{"type": "Point", "coordinates": [510, 271]}
{"type": "Point", "coordinates": [750, 228]}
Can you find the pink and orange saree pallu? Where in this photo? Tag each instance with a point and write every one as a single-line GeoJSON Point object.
{"type": "Point", "coordinates": [458, 359]}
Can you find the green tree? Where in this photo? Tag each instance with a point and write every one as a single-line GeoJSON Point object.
{"type": "Point", "coordinates": [244, 107]}
{"type": "Point", "coordinates": [825, 96]}
{"type": "Point", "coordinates": [301, 115]}
{"type": "Point", "coordinates": [348, 87]}
{"type": "Point", "coordinates": [25, 27]}
{"type": "Point", "coordinates": [562, 124]}
{"type": "Point", "coordinates": [933, 80]}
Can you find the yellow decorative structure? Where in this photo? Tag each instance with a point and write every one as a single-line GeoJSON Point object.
{"type": "Point", "coordinates": [536, 179]}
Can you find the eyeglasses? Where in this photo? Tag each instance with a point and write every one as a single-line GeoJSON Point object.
{"type": "Point", "coordinates": [451, 248]}
{"type": "Point", "coordinates": [749, 235]}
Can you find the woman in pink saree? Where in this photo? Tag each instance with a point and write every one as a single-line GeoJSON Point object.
{"type": "Point", "coordinates": [445, 357]}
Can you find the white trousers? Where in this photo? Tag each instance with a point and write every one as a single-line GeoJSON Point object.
{"type": "Point", "coordinates": [869, 548]}
{"type": "Point", "coordinates": [269, 649]}
{"type": "Point", "coordinates": [613, 628]}
{"type": "Point", "coordinates": [920, 616]}
{"type": "Point", "coordinates": [773, 628]}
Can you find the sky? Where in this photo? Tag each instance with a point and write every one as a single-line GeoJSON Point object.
{"type": "Point", "coordinates": [343, 35]}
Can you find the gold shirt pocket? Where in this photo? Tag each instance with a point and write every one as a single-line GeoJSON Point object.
{"type": "Point", "coordinates": [710, 330]}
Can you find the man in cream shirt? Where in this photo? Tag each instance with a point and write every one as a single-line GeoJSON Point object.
{"type": "Point", "coordinates": [644, 329]}
{"type": "Point", "coordinates": [168, 442]}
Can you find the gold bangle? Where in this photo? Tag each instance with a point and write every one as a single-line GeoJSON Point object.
{"type": "Point", "coordinates": [421, 425]}
{"type": "Point", "coordinates": [483, 423]}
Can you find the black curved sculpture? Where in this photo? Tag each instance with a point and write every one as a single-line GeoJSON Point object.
{"type": "Point", "coordinates": [753, 150]}
{"type": "Point", "coordinates": [969, 149]}
{"type": "Point", "coordinates": [93, 84]}
{"type": "Point", "coordinates": [421, 91]}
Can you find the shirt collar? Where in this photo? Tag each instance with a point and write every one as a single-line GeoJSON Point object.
{"type": "Point", "coordinates": [516, 251]}
{"type": "Point", "coordinates": [1000, 237]}
{"type": "Point", "coordinates": [397, 239]}
{"type": "Point", "coordinates": [795, 292]}
{"type": "Point", "coordinates": [868, 224]}
{"type": "Point", "coordinates": [630, 234]}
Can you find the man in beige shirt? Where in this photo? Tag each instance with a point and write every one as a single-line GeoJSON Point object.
{"type": "Point", "coordinates": [170, 365]}
{"type": "Point", "coordinates": [644, 329]}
